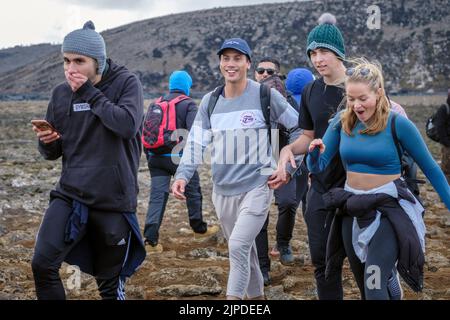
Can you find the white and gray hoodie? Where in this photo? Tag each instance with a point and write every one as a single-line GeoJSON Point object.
{"type": "Point", "coordinates": [241, 157]}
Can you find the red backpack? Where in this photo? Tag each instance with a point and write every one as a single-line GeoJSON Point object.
{"type": "Point", "coordinates": [160, 122]}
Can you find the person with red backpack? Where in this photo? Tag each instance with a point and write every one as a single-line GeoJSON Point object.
{"type": "Point", "coordinates": [169, 113]}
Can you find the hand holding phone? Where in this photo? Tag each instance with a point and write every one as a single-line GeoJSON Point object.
{"type": "Point", "coordinates": [45, 131]}
{"type": "Point", "coordinates": [42, 125]}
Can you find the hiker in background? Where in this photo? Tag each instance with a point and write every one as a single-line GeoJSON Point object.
{"type": "Point", "coordinates": [236, 118]}
{"type": "Point", "coordinates": [320, 101]}
{"type": "Point", "coordinates": [379, 222]}
{"type": "Point", "coordinates": [409, 167]}
{"type": "Point", "coordinates": [287, 199]}
{"type": "Point", "coordinates": [268, 67]}
{"type": "Point", "coordinates": [443, 132]}
{"type": "Point", "coordinates": [296, 81]}
{"type": "Point", "coordinates": [91, 219]}
{"type": "Point", "coordinates": [175, 110]}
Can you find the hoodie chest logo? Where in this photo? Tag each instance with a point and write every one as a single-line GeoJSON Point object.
{"type": "Point", "coordinates": [78, 107]}
{"type": "Point", "coordinates": [247, 119]}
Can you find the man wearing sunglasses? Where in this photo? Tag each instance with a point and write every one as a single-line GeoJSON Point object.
{"type": "Point", "coordinates": [267, 72]}
{"type": "Point", "coordinates": [266, 67]}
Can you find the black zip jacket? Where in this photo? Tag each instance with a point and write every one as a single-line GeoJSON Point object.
{"type": "Point", "coordinates": [100, 142]}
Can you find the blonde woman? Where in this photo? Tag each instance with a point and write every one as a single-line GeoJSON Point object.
{"type": "Point", "coordinates": [382, 225]}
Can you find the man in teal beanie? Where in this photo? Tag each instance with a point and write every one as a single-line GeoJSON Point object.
{"type": "Point", "coordinates": [320, 100]}
{"type": "Point", "coordinates": [326, 35]}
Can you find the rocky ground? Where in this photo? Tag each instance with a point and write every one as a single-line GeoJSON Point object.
{"type": "Point", "coordinates": [187, 268]}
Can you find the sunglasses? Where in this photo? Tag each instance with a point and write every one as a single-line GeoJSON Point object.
{"type": "Point", "coordinates": [363, 71]}
{"type": "Point", "coordinates": [262, 70]}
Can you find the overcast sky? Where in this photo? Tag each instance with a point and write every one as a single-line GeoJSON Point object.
{"type": "Point", "coordinates": [24, 22]}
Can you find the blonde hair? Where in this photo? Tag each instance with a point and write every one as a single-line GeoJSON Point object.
{"type": "Point", "coordinates": [374, 79]}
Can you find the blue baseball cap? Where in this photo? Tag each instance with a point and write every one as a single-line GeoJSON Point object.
{"type": "Point", "coordinates": [237, 44]}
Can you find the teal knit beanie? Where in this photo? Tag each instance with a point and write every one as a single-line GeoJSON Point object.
{"type": "Point", "coordinates": [326, 35]}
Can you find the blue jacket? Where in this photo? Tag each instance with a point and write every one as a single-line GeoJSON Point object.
{"type": "Point", "coordinates": [82, 255]}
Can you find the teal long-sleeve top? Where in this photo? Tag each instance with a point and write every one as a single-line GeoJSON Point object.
{"type": "Point", "coordinates": [377, 154]}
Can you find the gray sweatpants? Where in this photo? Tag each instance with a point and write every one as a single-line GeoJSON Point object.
{"type": "Point", "coordinates": [242, 217]}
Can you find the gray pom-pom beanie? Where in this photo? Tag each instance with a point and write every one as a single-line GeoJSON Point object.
{"type": "Point", "coordinates": [87, 42]}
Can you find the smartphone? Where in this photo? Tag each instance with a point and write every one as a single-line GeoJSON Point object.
{"type": "Point", "coordinates": [43, 125]}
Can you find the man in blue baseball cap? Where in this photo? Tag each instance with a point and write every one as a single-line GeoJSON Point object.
{"type": "Point", "coordinates": [241, 195]}
{"type": "Point", "coordinates": [237, 44]}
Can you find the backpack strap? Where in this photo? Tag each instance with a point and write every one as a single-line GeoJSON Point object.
{"type": "Point", "coordinates": [290, 98]}
{"type": "Point", "coordinates": [264, 94]}
{"type": "Point", "coordinates": [399, 150]}
{"type": "Point", "coordinates": [394, 136]}
{"type": "Point", "coordinates": [179, 98]}
{"type": "Point", "coordinates": [213, 99]}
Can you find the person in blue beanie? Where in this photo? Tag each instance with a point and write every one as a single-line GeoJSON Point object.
{"type": "Point", "coordinates": [91, 220]}
{"type": "Point", "coordinates": [162, 163]}
{"type": "Point", "coordinates": [296, 80]}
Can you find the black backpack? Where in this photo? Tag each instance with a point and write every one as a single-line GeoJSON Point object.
{"type": "Point", "coordinates": [408, 166]}
{"type": "Point", "coordinates": [290, 98]}
{"type": "Point", "coordinates": [431, 129]}
{"type": "Point", "coordinates": [282, 131]}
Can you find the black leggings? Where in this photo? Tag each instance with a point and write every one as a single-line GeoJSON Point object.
{"type": "Point", "coordinates": [382, 255]}
{"type": "Point", "coordinates": [108, 236]}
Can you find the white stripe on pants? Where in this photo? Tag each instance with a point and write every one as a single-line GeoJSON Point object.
{"type": "Point", "coordinates": [242, 217]}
